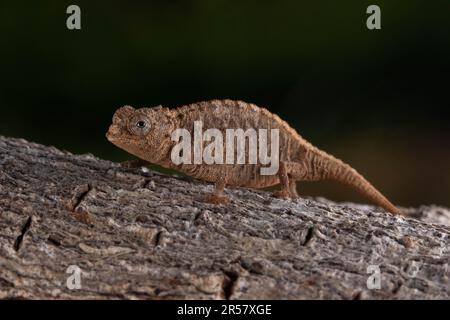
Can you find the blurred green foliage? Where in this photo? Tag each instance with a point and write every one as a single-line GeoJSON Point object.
{"type": "Point", "coordinates": [377, 99]}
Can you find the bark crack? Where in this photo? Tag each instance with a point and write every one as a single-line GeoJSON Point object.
{"type": "Point", "coordinates": [78, 197]}
{"type": "Point", "coordinates": [229, 283]}
{"type": "Point", "coordinates": [307, 235]}
{"type": "Point", "coordinates": [158, 237]}
{"type": "Point", "coordinates": [26, 226]}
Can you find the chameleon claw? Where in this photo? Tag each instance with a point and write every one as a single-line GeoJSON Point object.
{"type": "Point", "coordinates": [215, 199]}
{"type": "Point", "coordinates": [133, 164]}
{"type": "Point", "coordinates": [282, 194]}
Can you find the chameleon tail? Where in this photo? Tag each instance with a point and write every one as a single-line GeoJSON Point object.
{"type": "Point", "coordinates": [337, 170]}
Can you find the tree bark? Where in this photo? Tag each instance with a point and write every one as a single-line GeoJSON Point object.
{"type": "Point", "coordinates": [139, 234]}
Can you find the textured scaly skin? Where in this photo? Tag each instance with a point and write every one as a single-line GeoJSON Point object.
{"type": "Point", "coordinates": [299, 160]}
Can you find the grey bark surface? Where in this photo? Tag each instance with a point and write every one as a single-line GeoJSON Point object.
{"type": "Point", "coordinates": [138, 234]}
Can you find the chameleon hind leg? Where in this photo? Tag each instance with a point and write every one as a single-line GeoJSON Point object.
{"type": "Point", "coordinates": [293, 188]}
{"type": "Point", "coordinates": [288, 174]}
{"type": "Point", "coordinates": [217, 196]}
{"type": "Point", "coordinates": [283, 176]}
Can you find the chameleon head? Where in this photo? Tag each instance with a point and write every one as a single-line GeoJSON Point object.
{"type": "Point", "coordinates": [141, 132]}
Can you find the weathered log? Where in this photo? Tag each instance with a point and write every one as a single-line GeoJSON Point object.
{"type": "Point", "coordinates": [135, 233]}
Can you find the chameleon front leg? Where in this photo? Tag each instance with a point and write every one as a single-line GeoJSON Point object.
{"type": "Point", "coordinates": [217, 196]}
{"type": "Point", "coordinates": [134, 164]}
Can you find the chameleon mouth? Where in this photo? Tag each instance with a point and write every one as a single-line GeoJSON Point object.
{"type": "Point", "coordinates": [118, 141]}
{"type": "Point", "coordinates": [114, 136]}
{"type": "Point", "coordinates": [113, 133]}
{"type": "Point", "coordinates": [110, 136]}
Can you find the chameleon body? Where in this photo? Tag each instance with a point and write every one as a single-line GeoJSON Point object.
{"type": "Point", "coordinates": [146, 133]}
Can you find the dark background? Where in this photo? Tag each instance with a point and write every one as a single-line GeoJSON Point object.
{"type": "Point", "coordinates": [376, 99]}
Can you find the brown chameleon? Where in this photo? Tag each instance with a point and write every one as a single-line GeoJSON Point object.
{"type": "Point", "coordinates": [147, 134]}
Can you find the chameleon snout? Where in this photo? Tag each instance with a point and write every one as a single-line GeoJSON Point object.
{"type": "Point", "coordinates": [113, 132]}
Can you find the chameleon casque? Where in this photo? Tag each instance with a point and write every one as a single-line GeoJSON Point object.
{"type": "Point", "coordinates": [146, 133]}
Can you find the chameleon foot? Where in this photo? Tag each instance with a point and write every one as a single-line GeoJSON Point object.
{"type": "Point", "coordinates": [283, 194]}
{"type": "Point", "coordinates": [133, 164]}
{"type": "Point", "coordinates": [215, 198]}
{"type": "Point", "coordinates": [294, 196]}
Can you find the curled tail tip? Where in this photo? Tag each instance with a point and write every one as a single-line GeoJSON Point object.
{"type": "Point", "coordinates": [389, 207]}
{"type": "Point", "coordinates": [396, 211]}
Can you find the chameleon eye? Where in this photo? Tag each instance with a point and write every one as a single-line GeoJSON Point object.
{"type": "Point", "coordinates": [139, 125]}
